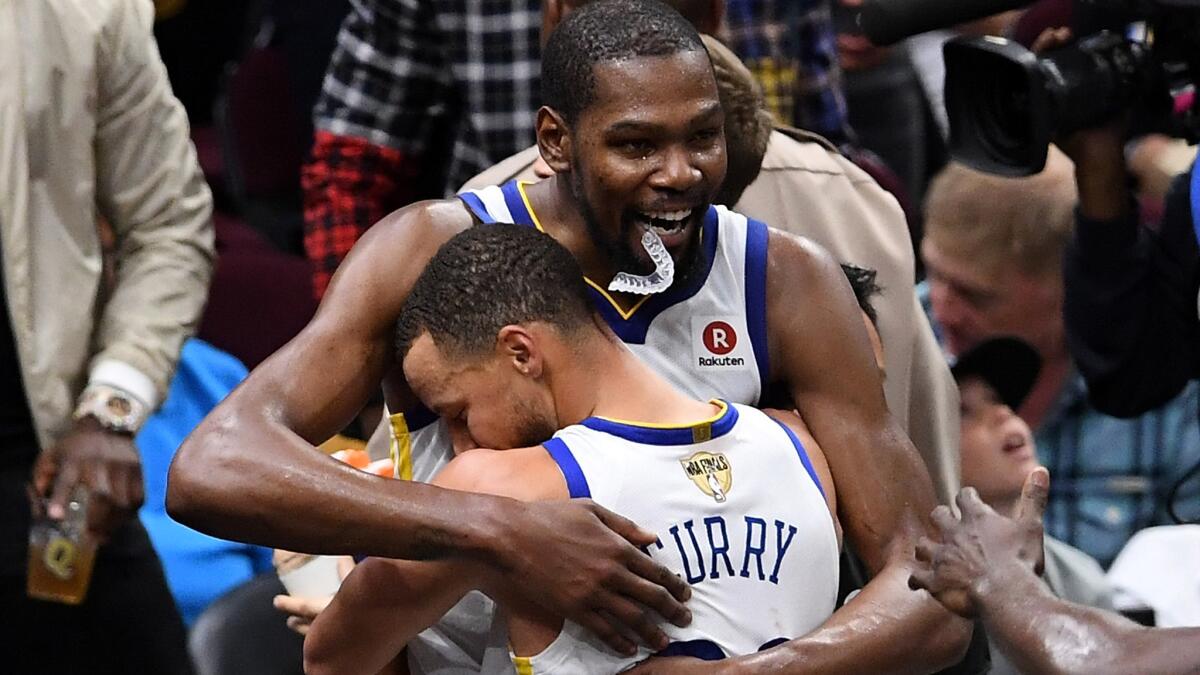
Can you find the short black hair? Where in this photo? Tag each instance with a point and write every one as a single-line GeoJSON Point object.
{"type": "Point", "coordinates": [488, 277]}
{"type": "Point", "coordinates": [862, 280]}
{"type": "Point", "coordinates": [607, 30]}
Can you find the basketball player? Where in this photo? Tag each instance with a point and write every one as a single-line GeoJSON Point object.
{"type": "Point", "coordinates": [742, 507]}
{"type": "Point", "coordinates": [633, 130]}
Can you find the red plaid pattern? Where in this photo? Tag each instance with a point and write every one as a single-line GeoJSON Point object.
{"type": "Point", "coordinates": [349, 184]}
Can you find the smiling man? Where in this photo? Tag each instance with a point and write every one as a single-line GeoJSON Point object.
{"type": "Point", "coordinates": [633, 128]}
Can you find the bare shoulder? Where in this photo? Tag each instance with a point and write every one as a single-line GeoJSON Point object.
{"type": "Point", "coordinates": [527, 474]}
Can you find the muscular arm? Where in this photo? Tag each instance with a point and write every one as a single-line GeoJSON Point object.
{"type": "Point", "coordinates": [385, 603]}
{"type": "Point", "coordinates": [249, 471]}
{"type": "Point", "coordinates": [819, 347]}
{"type": "Point", "coordinates": [1040, 633]}
{"type": "Point", "coordinates": [993, 561]}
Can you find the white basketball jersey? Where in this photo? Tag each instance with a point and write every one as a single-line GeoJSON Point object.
{"type": "Point", "coordinates": [740, 515]}
{"type": "Point", "coordinates": [707, 338]}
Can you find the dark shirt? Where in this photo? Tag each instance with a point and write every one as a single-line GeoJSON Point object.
{"type": "Point", "coordinates": [18, 444]}
{"type": "Point", "coordinates": [1131, 307]}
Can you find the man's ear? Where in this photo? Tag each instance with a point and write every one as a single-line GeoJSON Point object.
{"type": "Point", "coordinates": [516, 346]}
{"type": "Point", "coordinates": [554, 140]}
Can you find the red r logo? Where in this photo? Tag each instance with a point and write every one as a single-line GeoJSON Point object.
{"type": "Point", "coordinates": [719, 338]}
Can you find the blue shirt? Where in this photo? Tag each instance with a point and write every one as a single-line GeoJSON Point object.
{"type": "Point", "coordinates": [1109, 477]}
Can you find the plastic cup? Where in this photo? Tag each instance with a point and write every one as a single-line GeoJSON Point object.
{"type": "Point", "coordinates": [61, 554]}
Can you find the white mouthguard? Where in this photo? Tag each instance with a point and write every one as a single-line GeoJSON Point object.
{"type": "Point", "coordinates": [657, 281]}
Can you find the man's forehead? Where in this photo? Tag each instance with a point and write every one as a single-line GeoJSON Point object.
{"type": "Point", "coordinates": [623, 85]}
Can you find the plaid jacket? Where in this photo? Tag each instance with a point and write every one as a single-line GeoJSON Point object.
{"type": "Point", "coordinates": [791, 48]}
{"type": "Point", "coordinates": [420, 95]}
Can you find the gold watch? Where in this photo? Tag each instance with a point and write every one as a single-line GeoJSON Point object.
{"type": "Point", "coordinates": [113, 408]}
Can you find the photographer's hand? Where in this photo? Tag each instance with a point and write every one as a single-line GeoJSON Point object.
{"type": "Point", "coordinates": [1098, 153]}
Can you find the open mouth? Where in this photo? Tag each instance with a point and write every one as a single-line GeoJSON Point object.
{"type": "Point", "coordinates": [670, 226]}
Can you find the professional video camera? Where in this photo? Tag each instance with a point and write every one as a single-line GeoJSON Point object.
{"type": "Point", "coordinates": [1006, 104]}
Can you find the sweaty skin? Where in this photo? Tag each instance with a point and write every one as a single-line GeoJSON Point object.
{"type": "Point", "coordinates": [384, 603]}
{"type": "Point", "coordinates": [651, 141]}
{"type": "Point", "coordinates": [992, 559]}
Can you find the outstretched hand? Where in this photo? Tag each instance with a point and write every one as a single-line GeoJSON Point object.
{"type": "Point", "coordinates": [980, 549]}
{"type": "Point", "coordinates": [581, 561]}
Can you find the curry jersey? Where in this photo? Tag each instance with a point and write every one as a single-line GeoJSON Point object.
{"type": "Point", "coordinates": [708, 336]}
{"type": "Point", "coordinates": [740, 515]}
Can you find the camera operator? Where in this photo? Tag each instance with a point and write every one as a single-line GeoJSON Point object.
{"type": "Point", "coordinates": [1131, 292]}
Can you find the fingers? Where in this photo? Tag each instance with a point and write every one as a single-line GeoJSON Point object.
{"type": "Point", "coordinates": [64, 485]}
{"type": "Point", "coordinates": [926, 550]}
{"type": "Point", "coordinates": [969, 503]}
{"type": "Point", "coordinates": [633, 621]}
{"type": "Point", "coordinates": [600, 626]}
{"type": "Point", "coordinates": [922, 579]}
{"type": "Point", "coordinates": [944, 519]}
{"type": "Point", "coordinates": [1034, 493]}
{"type": "Point", "coordinates": [655, 587]}
{"type": "Point", "coordinates": [623, 526]}
{"type": "Point", "coordinates": [298, 624]}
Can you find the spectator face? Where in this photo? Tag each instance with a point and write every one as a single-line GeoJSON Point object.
{"type": "Point", "coordinates": [972, 302]}
{"type": "Point", "coordinates": [649, 153]}
{"type": "Point", "coordinates": [488, 401]}
{"type": "Point", "coordinates": [997, 446]}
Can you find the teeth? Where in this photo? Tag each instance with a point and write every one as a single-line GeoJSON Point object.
{"type": "Point", "coordinates": [667, 215]}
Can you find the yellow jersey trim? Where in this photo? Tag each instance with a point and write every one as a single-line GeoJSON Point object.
{"type": "Point", "coordinates": [400, 447]}
{"type": "Point", "coordinates": [523, 664]}
{"type": "Point", "coordinates": [703, 424]}
{"type": "Point", "coordinates": [600, 289]}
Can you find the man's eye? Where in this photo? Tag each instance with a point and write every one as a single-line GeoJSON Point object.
{"type": "Point", "coordinates": [705, 135]}
{"type": "Point", "coordinates": [636, 148]}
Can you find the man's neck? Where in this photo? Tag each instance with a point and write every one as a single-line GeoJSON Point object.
{"type": "Point", "coordinates": [559, 214]}
{"type": "Point", "coordinates": [605, 379]}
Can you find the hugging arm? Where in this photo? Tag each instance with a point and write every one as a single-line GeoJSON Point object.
{"type": "Point", "coordinates": [819, 348]}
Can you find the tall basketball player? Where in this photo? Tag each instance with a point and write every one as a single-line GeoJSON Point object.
{"type": "Point", "coordinates": [633, 129]}
{"type": "Point", "coordinates": [741, 506]}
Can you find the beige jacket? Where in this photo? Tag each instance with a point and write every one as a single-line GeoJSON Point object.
{"type": "Point", "coordinates": [89, 128]}
{"type": "Point", "coordinates": [813, 191]}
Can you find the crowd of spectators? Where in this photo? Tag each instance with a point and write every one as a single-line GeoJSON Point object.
{"type": "Point", "coordinates": [222, 163]}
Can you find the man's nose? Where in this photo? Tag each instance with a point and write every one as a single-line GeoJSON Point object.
{"type": "Point", "coordinates": [677, 172]}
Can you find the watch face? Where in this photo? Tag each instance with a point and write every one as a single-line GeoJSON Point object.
{"type": "Point", "coordinates": [119, 407]}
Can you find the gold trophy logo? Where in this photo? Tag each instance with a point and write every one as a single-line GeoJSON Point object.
{"type": "Point", "coordinates": [711, 472]}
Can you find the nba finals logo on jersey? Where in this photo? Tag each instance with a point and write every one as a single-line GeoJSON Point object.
{"type": "Point", "coordinates": [710, 472]}
{"type": "Point", "coordinates": [718, 344]}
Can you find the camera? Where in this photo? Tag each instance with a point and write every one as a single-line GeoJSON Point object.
{"type": "Point", "coordinates": [1006, 104]}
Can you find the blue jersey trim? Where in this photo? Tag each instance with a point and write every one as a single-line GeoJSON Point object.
{"type": "Point", "coordinates": [633, 330]}
{"type": "Point", "coordinates": [475, 205]}
{"type": "Point", "coordinates": [516, 204]}
{"type": "Point", "coordinates": [667, 435]}
{"type": "Point", "coordinates": [803, 455]}
{"type": "Point", "coordinates": [577, 483]}
{"type": "Point", "coordinates": [756, 296]}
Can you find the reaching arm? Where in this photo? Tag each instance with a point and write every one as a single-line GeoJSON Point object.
{"type": "Point", "coordinates": [385, 603]}
{"type": "Point", "coordinates": [250, 466]}
{"type": "Point", "coordinates": [992, 560]}
{"type": "Point", "coordinates": [820, 348]}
